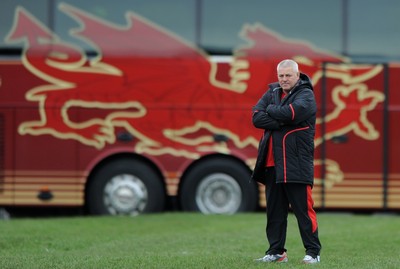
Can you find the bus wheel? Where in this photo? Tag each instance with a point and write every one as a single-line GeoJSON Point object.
{"type": "Point", "coordinates": [218, 187]}
{"type": "Point", "coordinates": [125, 187]}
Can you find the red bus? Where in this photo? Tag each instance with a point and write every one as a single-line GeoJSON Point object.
{"type": "Point", "coordinates": [132, 108]}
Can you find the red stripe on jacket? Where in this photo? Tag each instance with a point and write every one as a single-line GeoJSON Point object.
{"type": "Point", "coordinates": [291, 107]}
{"type": "Point", "coordinates": [284, 149]}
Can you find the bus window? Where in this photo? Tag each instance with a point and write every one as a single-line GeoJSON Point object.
{"type": "Point", "coordinates": [177, 16]}
{"type": "Point", "coordinates": [41, 9]}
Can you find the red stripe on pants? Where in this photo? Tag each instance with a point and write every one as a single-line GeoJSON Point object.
{"type": "Point", "coordinates": [311, 212]}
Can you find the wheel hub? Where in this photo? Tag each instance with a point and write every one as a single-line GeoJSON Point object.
{"type": "Point", "coordinates": [125, 194]}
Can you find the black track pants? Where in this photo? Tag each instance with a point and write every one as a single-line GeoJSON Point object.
{"type": "Point", "coordinates": [298, 196]}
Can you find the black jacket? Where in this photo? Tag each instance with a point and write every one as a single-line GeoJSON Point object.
{"type": "Point", "coordinates": [291, 123]}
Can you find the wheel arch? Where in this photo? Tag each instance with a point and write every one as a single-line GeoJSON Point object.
{"type": "Point", "coordinates": [119, 156]}
{"type": "Point", "coordinates": [213, 158]}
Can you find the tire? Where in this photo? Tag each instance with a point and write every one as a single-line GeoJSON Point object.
{"type": "Point", "coordinates": [218, 187]}
{"type": "Point", "coordinates": [125, 187]}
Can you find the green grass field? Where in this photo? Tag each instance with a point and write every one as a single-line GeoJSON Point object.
{"type": "Point", "coordinates": [183, 240]}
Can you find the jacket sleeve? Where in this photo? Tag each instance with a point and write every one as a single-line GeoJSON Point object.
{"type": "Point", "coordinates": [260, 118]}
{"type": "Point", "coordinates": [302, 108]}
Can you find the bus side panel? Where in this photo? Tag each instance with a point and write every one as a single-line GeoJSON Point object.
{"type": "Point", "coordinates": [393, 139]}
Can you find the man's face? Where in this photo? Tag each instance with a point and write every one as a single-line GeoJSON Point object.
{"type": "Point", "coordinates": [287, 78]}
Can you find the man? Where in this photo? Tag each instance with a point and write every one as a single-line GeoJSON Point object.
{"type": "Point", "coordinates": [287, 113]}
